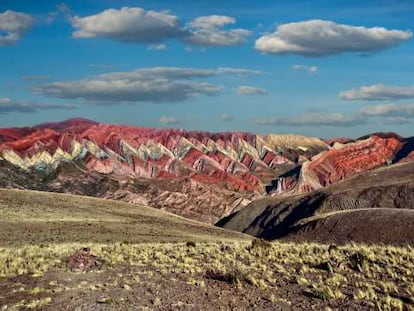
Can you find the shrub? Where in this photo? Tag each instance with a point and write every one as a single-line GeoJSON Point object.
{"type": "Point", "coordinates": [260, 246]}
{"type": "Point", "coordinates": [235, 276]}
{"type": "Point", "coordinates": [357, 261]}
{"type": "Point", "coordinates": [190, 244]}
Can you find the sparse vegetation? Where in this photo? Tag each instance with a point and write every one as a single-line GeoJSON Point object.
{"type": "Point", "coordinates": [239, 270]}
{"type": "Point", "coordinates": [385, 282]}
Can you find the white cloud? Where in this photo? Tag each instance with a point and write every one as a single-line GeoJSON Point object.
{"type": "Point", "coordinates": [321, 37]}
{"type": "Point", "coordinates": [250, 90]}
{"type": "Point", "coordinates": [169, 120]}
{"type": "Point", "coordinates": [225, 117]}
{"type": "Point", "coordinates": [129, 25]}
{"type": "Point", "coordinates": [157, 47]}
{"type": "Point", "coordinates": [208, 31]}
{"type": "Point", "coordinates": [212, 21]}
{"type": "Point", "coordinates": [141, 26]}
{"type": "Point", "coordinates": [314, 119]}
{"type": "Point", "coordinates": [13, 25]}
{"type": "Point", "coordinates": [378, 92]}
{"type": "Point", "coordinates": [9, 105]}
{"type": "Point", "coordinates": [155, 84]}
{"type": "Point", "coordinates": [310, 69]}
{"type": "Point", "coordinates": [396, 110]}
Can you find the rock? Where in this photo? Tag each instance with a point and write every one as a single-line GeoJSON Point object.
{"type": "Point", "coordinates": [83, 260]}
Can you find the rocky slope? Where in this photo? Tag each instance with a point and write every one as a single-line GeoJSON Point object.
{"type": "Point", "coordinates": [200, 175]}
{"type": "Point", "coordinates": [379, 226]}
{"type": "Point", "coordinates": [240, 160]}
{"type": "Point", "coordinates": [342, 161]}
{"type": "Point", "coordinates": [361, 206]}
{"type": "Point", "coordinates": [183, 196]}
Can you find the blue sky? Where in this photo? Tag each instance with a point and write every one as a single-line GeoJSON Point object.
{"type": "Point", "coordinates": [320, 68]}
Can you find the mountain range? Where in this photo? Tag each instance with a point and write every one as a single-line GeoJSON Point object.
{"type": "Point", "coordinates": [199, 175]}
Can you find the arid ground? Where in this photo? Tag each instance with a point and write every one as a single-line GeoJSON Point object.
{"type": "Point", "coordinates": [151, 260]}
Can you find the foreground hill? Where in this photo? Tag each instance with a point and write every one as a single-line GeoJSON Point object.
{"type": "Point", "coordinates": [373, 207]}
{"type": "Point", "coordinates": [63, 252]}
{"type": "Point", "coordinates": [39, 217]}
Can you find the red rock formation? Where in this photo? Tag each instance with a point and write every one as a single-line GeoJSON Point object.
{"type": "Point", "coordinates": [341, 140]}
{"type": "Point", "coordinates": [239, 160]}
{"type": "Point", "coordinates": [342, 162]}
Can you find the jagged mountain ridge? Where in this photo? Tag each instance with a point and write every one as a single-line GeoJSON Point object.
{"type": "Point", "coordinates": [199, 175]}
{"type": "Point", "coordinates": [240, 160]}
{"type": "Point", "coordinates": [344, 160]}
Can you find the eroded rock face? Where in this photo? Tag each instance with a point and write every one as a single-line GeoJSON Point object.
{"type": "Point", "coordinates": [182, 196]}
{"type": "Point", "coordinates": [241, 161]}
{"type": "Point", "coordinates": [343, 161]}
{"type": "Point", "coordinates": [199, 175]}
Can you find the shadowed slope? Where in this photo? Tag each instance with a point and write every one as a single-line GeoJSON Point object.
{"type": "Point", "coordinates": [379, 225]}
{"type": "Point", "coordinates": [389, 187]}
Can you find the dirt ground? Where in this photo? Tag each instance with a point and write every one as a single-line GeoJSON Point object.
{"type": "Point", "coordinates": [127, 288]}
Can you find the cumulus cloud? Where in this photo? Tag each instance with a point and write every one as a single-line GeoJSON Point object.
{"type": "Point", "coordinates": [315, 119]}
{"type": "Point", "coordinates": [225, 117]}
{"type": "Point", "coordinates": [208, 31]}
{"type": "Point", "coordinates": [321, 37]}
{"type": "Point", "coordinates": [169, 120]}
{"type": "Point", "coordinates": [13, 25]}
{"type": "Point", "coordinates": [378, 92]}
{"type": "Point", "coordinates": [212, 21]}
{"type": "Point", "coordinates": [141, 26]}
{"type": "Point", "coordinates": [250, 90]}
{"type": "Point", "coordinates": [395, 110]}
{"type": "Point", "coordinates": [129, 25]}
{"type": "Point", "coordinates": [9, 105]}
{"type": "Point", "coordinates": [155, 84]}
{"type": "Point", "coordinates": [310, 69]}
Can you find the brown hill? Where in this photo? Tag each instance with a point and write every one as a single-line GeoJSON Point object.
{"type": "Point", "coordinates": [40, 217]}
{"type": "Point", "coordinates": [379, 225]}
{"type": "Point", "coordinates": [390, 187]}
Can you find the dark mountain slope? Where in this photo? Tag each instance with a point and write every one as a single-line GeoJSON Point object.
{"type": "Point", "coordinates": [390, 187]}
